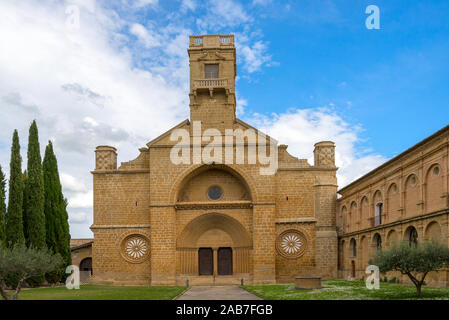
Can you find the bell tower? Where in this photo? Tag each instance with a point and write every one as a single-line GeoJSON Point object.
{"type": "Point", "coordinates": [212, 60]}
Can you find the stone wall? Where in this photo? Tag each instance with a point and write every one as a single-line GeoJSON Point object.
{"type": "Point", "coordinates": [412, 190]}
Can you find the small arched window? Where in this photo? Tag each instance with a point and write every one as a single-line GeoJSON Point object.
{"type": "Point", "coordinates": [378, 214]}
{"type": "Point", "coordinates": [354, 247]}
{"type": "Point", "coordinates": [343, 218]}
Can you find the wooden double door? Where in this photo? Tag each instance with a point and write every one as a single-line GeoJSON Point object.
{"type": "Point", "coordinates": [206, 261]}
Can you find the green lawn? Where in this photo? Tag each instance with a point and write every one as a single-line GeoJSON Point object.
{"type": "Point", "coordinates": [96, 292]}
{"type": "Point", "coordinates": [345, 290]}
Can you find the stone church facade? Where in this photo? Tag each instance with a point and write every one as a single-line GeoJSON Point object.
{"type": "Point", "coordinates": [157, 222]}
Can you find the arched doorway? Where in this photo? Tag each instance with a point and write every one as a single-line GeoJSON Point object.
{"type": "Point", "coordinates": [85, 270]}
{"type": "Point", "coordinates": [86, 265]}
{"type": "Point", "coordinates": [411, 236]}
{"type": "Point", "coordinates": [214, 244]}
{"type": "Point", "coordinates": [352, 269]}
{"type": "Point", "coordinates": [214, 211]}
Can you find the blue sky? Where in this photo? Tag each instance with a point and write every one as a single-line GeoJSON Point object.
{"type": "Point", "coordinates": [321, 54]}
{"type": "Point", "coordinates": [308, 70]}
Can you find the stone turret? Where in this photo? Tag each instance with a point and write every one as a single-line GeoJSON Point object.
{"type": "Point", "coordinates": [325, 211]}
{"type": "Point", "coordinates": [105, 158]}
{"type": "Point", "coordinates": [324, 154]}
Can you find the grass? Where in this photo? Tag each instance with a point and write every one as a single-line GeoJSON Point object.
{"type": "Point", "coordinates": [346, 290]}
{"type": "Point", "coordinates": [332, 290]}
{"type": "Point", "coordinates": [97, 292]}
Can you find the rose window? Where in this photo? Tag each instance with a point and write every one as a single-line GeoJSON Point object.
{"type": "Point", "coordinates": [291, 243]}
{"type": "Point", "coordinates": [214, 193]}
{"type": "Point", "coordinates": [135, 248]}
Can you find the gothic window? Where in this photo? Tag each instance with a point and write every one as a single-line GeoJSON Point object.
{"type": "Point", "coordinates": [211, 71]}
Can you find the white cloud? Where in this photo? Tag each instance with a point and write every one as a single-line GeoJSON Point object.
{"type": "Point", "coordinates": [71, 184]}
{"type": "Point", "coordinates": [241, 104]}
{"type": "Point", "coordinates": [81, 200]}
{"type": "Point", "coordinates": [188, 4]}
{"type": "Point", "coordinates": [223, 14]}
{"type": "Point", "coordinates": [261, 2]}
{"type": "Point", "coordinates": [302, 128]}
{"type": "Point", "coordinates": [143, 3]}
{"type": "Point", "coordinates": [78, 217]}
{"type": "Point", "coordinates": [255, 55]}
{"type": "Point", "coordinates": [85, 4]}
{"type": "Point", "coordinates": [145, 37]}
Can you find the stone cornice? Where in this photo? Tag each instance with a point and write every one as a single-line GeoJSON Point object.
{"type": "Point", "coordinates": [119, 226]}
{"type": "Point", "coordinates": [163, 205]}
{"type": "Point", "coordinates": [201, 205]}
{"type": "Point", "coordinates": [121, 171]}
{"type": "Point", "coordinates": [264, 203]}
{"type": "Point", "coordinates": [213, 205]}
{"type": "Point", "coordinates": [308, 169]}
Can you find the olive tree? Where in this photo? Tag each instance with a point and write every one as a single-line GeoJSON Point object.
{"type": "Point", "coordinates": [413, 260]}
{"type": "Point", "coordinates": [22, 263]}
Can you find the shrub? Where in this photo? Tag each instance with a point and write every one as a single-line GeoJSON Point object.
{"type": "Point", "coordinates": [415, 261]}
{"type": "Point", "coordinates": [22, 263]}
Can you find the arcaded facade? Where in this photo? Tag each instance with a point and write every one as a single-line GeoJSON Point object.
{"type": "Point", "coordinates": [404, 199]}
{"type": "Point", "coordinates": [160, 221]}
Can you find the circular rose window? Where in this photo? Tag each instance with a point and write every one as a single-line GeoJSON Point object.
{"type": "Point", "coordinates": [215, 193]}
{"type": "Point", "coordinates": [135, 248]}
{"type": "Point", "coordinates": [291, 243]}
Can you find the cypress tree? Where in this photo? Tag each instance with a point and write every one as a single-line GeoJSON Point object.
{"type": "Point", "coordinates": [34, 218]}
{"type": "Point", "coordinates": [55, 208]}
{"type": "Point", "coordinates": [14, 219]}
{"type": "Point", "coordinates": [2, 208]}
{"type": "Point", "coordinates": [24, 179]}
